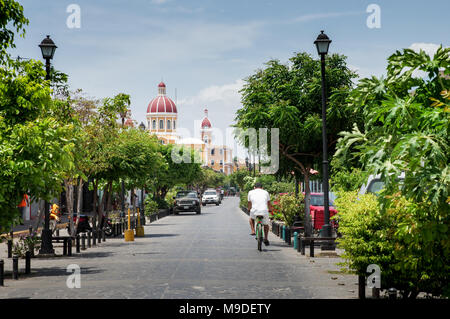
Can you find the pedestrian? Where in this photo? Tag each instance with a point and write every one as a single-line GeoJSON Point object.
{"type": "Point", "coordinates": [23, 207]}
{"type": "Point", "coordinates": [259, 204]}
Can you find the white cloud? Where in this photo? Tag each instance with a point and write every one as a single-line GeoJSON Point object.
{"type": "Point", "coordinates": [429, 48]}
{"type": "Point", "coordinates": [222, 102]}
{"type": "Point", "coordinates": [160, 1]}
{"type": "Point", "coordinates": [318, 16]}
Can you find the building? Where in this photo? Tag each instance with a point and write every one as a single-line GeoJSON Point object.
{"type": "Point", "coordinates": [162, 118]}
{"type": "Point", "coordinates": [218, 157]}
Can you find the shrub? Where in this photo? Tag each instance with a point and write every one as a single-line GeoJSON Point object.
{"type": "Point", "coordinates": [151, 207]}
{"type": "Point", "coordinates": [395, 239]}
{"type": "Point", "coordinates": [243, 196]}
{"type": "Point", "coordinates": [25, 243]}
{"type": "Point", "coordinates": [290, 206]}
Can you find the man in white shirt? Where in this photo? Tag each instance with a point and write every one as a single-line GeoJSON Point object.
{"type": "Point", "coordinates": [259, 204]}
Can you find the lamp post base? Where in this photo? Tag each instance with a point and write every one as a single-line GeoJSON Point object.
{"type": "Point", "coordinates": [46, 244]}
{"type": "Point", "coordinates": [326, 232]}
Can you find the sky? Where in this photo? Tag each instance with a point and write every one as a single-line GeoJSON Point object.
{"type": "Point", "coordinates": [204, 49]}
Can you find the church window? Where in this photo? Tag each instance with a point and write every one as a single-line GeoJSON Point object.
{"type": "Point", "coordinates": [161, 124]}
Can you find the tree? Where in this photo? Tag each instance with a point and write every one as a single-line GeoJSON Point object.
{"type": "Point", "coordinates": [36, 148]}
{"type": "Point", "coordinates": [288, 97]}
{"type": "Point", "coordinates": [11, 15]}
{"type": "Point", "coordinates": [182, 167]}
{"type": "Point", "coordinates": [406, 130]}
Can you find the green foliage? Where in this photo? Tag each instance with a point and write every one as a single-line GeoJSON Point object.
{"type": "Point", "coordinates": [24, 244]}
{"type": "Point", "coordinates": [397, 240]}
{"type": "Point", "coordinates": [406, 129]}
{"type": "Point", "coordinates": [243, 199]}
{"type": "Point", "coordinates": [36, 147]}
{"type": "Point", "coordinates": [151, 206]}
{"type": "Point", "coordinates": [288, 97]}
{"type": "Point", "coordinates": [208, 178]}
{"type": "Point", "coordinates": [11, 15]}
{"type": "Point", "coordinates": [346, 179]}
{"type": "Point", "coordinates": [288, 207]}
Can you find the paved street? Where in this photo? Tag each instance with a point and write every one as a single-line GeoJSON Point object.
{"type": "Point", "coordinates": [210, 255]}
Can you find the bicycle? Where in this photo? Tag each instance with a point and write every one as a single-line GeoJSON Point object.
{"type": "Point", "coordinates": [259, 230]}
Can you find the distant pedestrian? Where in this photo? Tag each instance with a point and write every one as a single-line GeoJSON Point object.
{"type": "Point", "coordinates": [23, 207]}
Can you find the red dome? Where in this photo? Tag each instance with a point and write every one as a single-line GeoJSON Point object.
{"type": "Point", "coordinates": [206, 123]}
{"type": "Point", "coordinates": [161, 104]}
{"type": "Point", "coordinates": [161, 85]}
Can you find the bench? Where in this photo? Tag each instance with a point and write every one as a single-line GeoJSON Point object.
{"type": "Point", "coordinates": [303, 241]}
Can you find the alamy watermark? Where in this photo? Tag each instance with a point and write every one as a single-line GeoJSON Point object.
{"type": "Point", "coordinates": [374, 19]}
{"type": "Point", "coordinates": [73, 21]}
{"type": "Point", "coordinates": [256, 141]}
{"type": "Point", "coordinates": [74, 279]}
{"type": "Point", "coordinates": [374, 279]}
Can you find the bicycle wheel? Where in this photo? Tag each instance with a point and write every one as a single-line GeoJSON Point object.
{"type": "Point", "coordinates": [259, 236]}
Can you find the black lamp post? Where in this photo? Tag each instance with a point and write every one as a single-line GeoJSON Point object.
{"type": "Point", "coordinates": [142, 128]}
{"type": "Point", "coordinates": [123, 115]}
{"type": "Point", "coordinates": [48, 49]}
{"type": "Point", "coordinates": [322, 44]}
{"type": "Point", "coordinates": [246, 163]}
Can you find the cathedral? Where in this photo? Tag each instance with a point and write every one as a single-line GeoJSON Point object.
{"type": "Point", "coordinates": [162, 118]}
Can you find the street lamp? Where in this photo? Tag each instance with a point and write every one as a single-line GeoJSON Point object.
{"type": "Point", "coordinates": [48, 49]}
{"type": "Point", "coordinates": [322, 44]}
{"type": "Point", "coordinates": [142, 128]}
{"type": "Point", "coordinates": [123, 115]}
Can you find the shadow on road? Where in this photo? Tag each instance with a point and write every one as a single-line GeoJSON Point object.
{"type": "Point", "coordinates": [54, 272]}
{"type": "Point", "coordinates": [159, 235]}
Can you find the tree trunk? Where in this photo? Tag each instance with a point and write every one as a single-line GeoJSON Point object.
{"type": "Point", "coordinates": [101, 208]}
{"type": "Point", "coordinates": [79, 202]}
{"type": "Point", "coordinates": [68, 183]}
{"type": "Point", "coordinates": [307, 218]}
{"type": "Point", "coordinates": [94, 208]}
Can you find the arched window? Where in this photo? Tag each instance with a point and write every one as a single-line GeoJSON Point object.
{"type": "Point", "coordinates": [174, 122]}
{"type": "Point", "coordinates": [154, 125]}
{"type": "Point", "coordinates": [161, 124]}
{"type": "Point", "coordinates": [168, 125]}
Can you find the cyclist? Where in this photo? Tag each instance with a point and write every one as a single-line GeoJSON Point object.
{"type": "Point", "coordinates": [259, 204]}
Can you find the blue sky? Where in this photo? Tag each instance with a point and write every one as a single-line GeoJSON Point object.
{"type": "Point", "coordinates": [205, 48]}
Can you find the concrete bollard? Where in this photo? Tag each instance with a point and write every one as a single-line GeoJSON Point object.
{"type": "Point", "coordinates": [78, 243]}
{"type": "Point", "coordinates": [89, 239]}
{"type": "Point", "coordinates": [288, 235]}
{"type": "Point", "coordinates": [15, 273]}
{"type": "Point", "coordinates": [94, 237]}
{"type": "Point", "coordinates": [103, 235]}
{"type": "Point", "coordinates": [2, 272]}
{"type": "Point", "coordinates": [83, 242]}
{"type": "Point", "coordinates": [27, 262]}
{"type": "Point", "coordinates": [65, 247]}
{"type": "Point", "coordinates": [295, 240]}
{"type": "Point", "coordinates": [69, 246]}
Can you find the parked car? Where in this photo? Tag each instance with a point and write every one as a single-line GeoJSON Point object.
{"type": "Point", "coordinates": [375, 184]}
{"type": "Point", "coordinates": [210, 196]}
{"type": "Point", "coordinates": [317, 208]}
{"type": "Point", "coordinates": [186, 201]}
